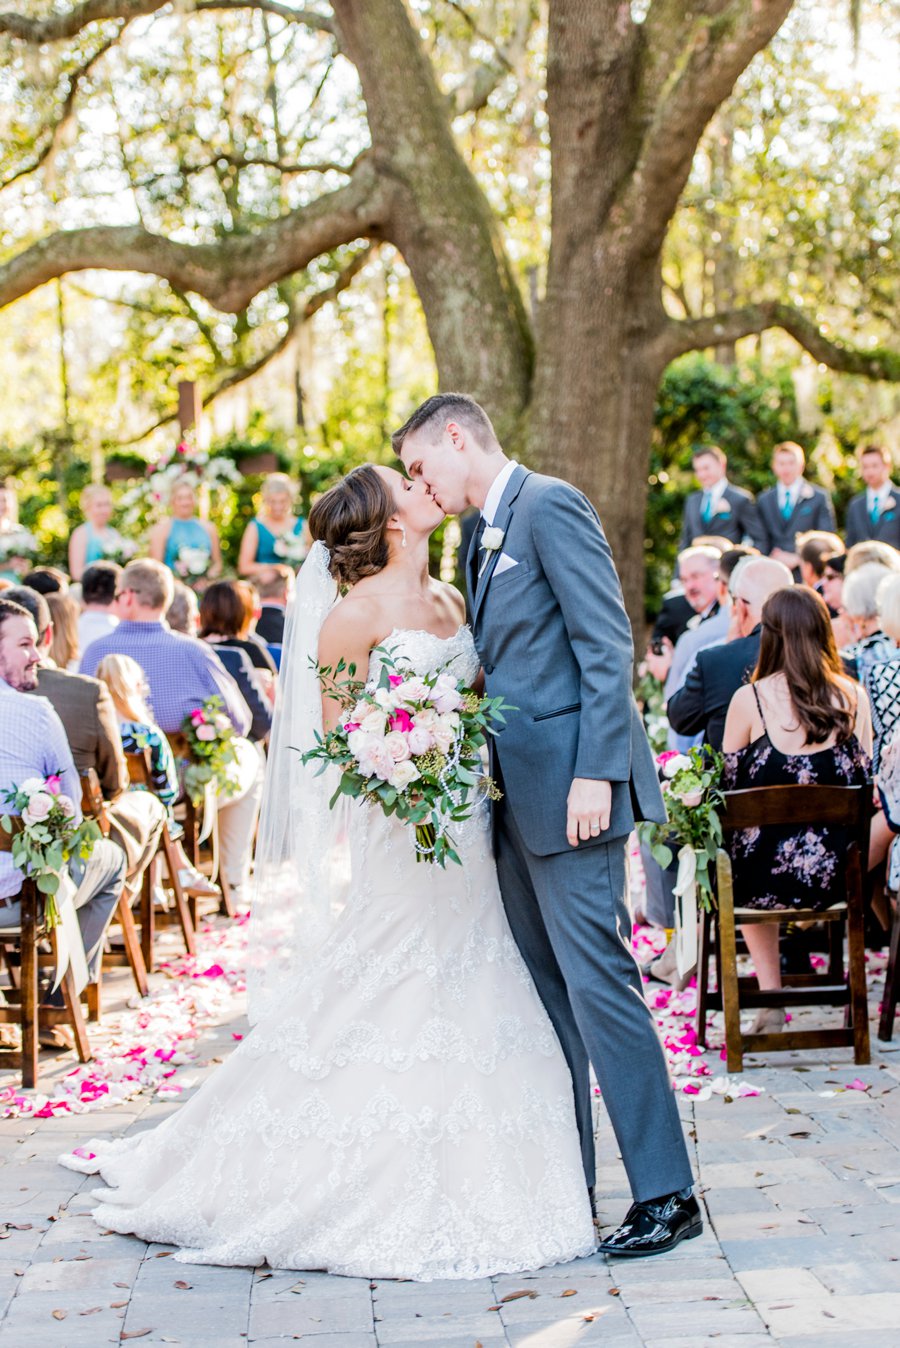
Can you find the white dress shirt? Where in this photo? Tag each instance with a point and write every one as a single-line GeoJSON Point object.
{"type": "Point", "coordinates": [496, 490]}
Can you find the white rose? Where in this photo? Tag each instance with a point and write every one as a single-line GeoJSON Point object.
{"type": "Point", "coordinates": [411, 691]}
{"type": "Point", "coordinates": [374, 722]}
{"type": "Point", "coordinates": [358, 741]}
{"type": "Point", "coordinates": [38, 808]}
{"type": "Point", "coordinates": [676, 764]}
{"type": "Point", "coordinates": [492, 538]}
{"type": "Point", "coordinates": [419, 740]}
{"type": "Point", "coordinates": [398, 745]}
{"type": "Point", "coordinates": [444, 736]}
{"type": "Point", "coordinates": [385, 698]}
{"type": "Point", "coordinates": [449, 701]}
{"type": "Point", "coordinates": [32, 784]}
{"type": "Point", "coordinates": [426, 719]}
{"type": "Point", "coordinates": [402, 775]}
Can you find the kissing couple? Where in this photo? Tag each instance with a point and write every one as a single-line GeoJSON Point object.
{"type": "Point", "coordinates": [414, 1100]}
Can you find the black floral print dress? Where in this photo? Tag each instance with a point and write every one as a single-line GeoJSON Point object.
{"type": "Point", "coordinates": [780, 867]}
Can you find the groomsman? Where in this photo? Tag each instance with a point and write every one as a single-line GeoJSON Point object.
{"type": "Point", "coordinates": [718, 508]}
{"type": "Point", "coordinates": [793, 507]}
{"type": "Point", "coordinates": [875, 513]}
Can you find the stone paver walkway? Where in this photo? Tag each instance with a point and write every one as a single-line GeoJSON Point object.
{"type": "Point", "coordinates": [801, 1184]}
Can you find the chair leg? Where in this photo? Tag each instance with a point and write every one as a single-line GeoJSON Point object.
{"type": "Point", "coordinates": [28, 986]}
{"type": "Point", "coordinates": [147, 926]}
{"type": "Point", "coordinates": [703, 975]}
{"type": "Point", "coordinates": [130, 936]}
{"type": "Point", "coordinates": [94, 1000]}
{"type": "Point", "coordinates": [731, 1005]}
{"type": "Point", "coordinates": [856, 962]}
{"type": "Point", "coordinates": [184, 915]}
{"type": "Point", "coordinates": [891, 994]}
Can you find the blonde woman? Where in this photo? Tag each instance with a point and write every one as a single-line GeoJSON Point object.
{"type": "Point", "coordinates": [189, 546]}
{"type": "Point", "coordinates": [95, 540]}
{"type": "Point", "coordinates": [128, 688]}
{"type": "Point", "coordinates": [276, 535]}
{"type": "Point", "coordinates": [64, 647]}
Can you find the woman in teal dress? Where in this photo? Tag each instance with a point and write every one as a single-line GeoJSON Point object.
{"type": "Point", "coordinates": [188, 545]}
{"type": "Point", "coordinates": [275, 537]}
{"type": "Point", "coordinates": [96, 540]}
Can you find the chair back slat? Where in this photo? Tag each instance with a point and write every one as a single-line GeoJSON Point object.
{"type": "Point", "coordinates": [761, 806]}
{"type": "Point", "coordinates": [6, 839]}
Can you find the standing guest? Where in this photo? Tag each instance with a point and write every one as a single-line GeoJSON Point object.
{"type": "Point", "coordinates": [12, 534]}
{"type": "Point", "coordinates": [812, 549]}
{"type": "Point", "coordinates": [860, 604]}
{"type": "Point", "coordinates": [718, 508]}
{"type": "Point", "coordinates": [182, 674]}
{"type": "Point", "coordinates": [98, 599]}
{"type": "Point", "coordinates": [46, 580]}
{"type": "Point", "coordinates": [701, 705]}
{"type": "Point", "coordinates": [276, 535]}
{"type": "Point", "coordinates": [183, 614]}
{"type": "Point", "coordinates": [793, 506]}
{"type": "Point", "coordinates": [875, 513]}
{"type": "Point", "coordinates": [95, 540]}
{"type": "Point", "coordinates": [189, 546]}
{"type": "Point", "coordinates": [274, 591]}
{"type": "Point", "coordinates": [64, 651]}
{"type": "Point", "coordinates": [801, 720]}
{"type": "Point", "coordinates": [33, 744]}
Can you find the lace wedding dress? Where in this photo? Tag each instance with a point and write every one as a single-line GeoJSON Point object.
{"type": "Point", "coordinates": [406, 1113]}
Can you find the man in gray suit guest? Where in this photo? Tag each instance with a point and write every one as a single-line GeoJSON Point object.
{"type": "Point", "coordinates": [792, 507]}
{"type": "Point", "coordinates": [718, 509]}
{"type": "Point", "coordinates": [576, 769]}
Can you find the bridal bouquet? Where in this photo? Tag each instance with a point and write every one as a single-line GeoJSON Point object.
{"type": "Point", "coordinates": [192, 562]}
{"type": "Point", "coordinates": [211, 737]}
{"type": "Point", "coordinates": [48, 835]}
{"type": "Point", "coordinates": [413, 745]}
{"type": "Point", "coordinates": [291, 548]}
{"type": "Point", "coordinates": [118, 549]}
{"type": "Point", "coordinates": [18, 545]}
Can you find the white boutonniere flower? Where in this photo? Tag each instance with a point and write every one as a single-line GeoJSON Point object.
{"type": "Point", "coordinates": [492, 541]}
{"type": "Point", "coordinates": [888, 504]}
{"type": "Point", "coordinates": [722, 508]}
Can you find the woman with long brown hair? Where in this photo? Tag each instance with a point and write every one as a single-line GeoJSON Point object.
{"type": "Point", "coordinates": [800, 720]}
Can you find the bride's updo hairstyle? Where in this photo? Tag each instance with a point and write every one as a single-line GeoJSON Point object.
{"type": "Point", "coordinates": [351, 519]}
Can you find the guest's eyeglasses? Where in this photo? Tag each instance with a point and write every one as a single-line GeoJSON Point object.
{"type": "Point", "coordinates": [120, 593]}
{"type": "Point", "coordinates": [832, 575]}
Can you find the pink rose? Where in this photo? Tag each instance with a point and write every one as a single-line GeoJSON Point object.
{"type": "Point", "coordinates": [66, 804]}
{"type": "Point", "coordinates": [691, 799]}
{"type": "Point", "coordinates": [401, 720]}
{"type": "Point", "coordinates": [395, 680]}
{"type": "Point", "coordinates": [53, 784]}
{"type": "Point", "coordinates": [419, 740]}
{"type": "Point", "coordinates": [197, 716]}
{"type": "Point", "coordinates": [206, 733]}
{"type": "Point", "coordinates": [38, 808]}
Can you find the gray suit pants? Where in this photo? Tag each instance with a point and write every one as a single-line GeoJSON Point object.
{"type": "Point", "coordinates": [570, 920]}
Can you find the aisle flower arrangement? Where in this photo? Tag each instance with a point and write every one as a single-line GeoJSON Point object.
{"type": "Point", "coordinates": [211, 737]}
{"type": "Point", "coordinates": [49, 835]}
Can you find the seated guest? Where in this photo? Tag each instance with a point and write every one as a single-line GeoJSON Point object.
{"type": "Point", "coordinates": [719, 508]}
{"type": "Point", "coordinates": [700, 706]}
{"type": "Point", "coordinates": [182, 673]}
{"type": "Point", "coordinates": [128, 688]}
{"type": "Point", "coordinates": [64, 650]}
{"type": "Point", "coordinates": [47, 580]}
{"type": "Point", "coordinates": [274, 590]}
{"type": "Point", "coordinates": [875, 513]}
{"type": "Point", "coordinates": [33, 744]}
{"type": "Point", "coordinates": [698, 571]}
{"type": "Point", "coordinates": [802, 721]}
{"type": "Point", "coordinates": [183, 614]}
{"type": "Point", "coordinates": [882, 679]}
{"type": "Point", "coordinates": [98, 599]}
{"type": "Point", "coordinates": [226, 612]}
{"type": "Point", "coordinates": [86, 711]}
{"type": "Point", "coordinates": [860, 603]}
{"type": "Point", "coordinates": [791, 507]}
{"type": "Point", "coordinates": [833, 594]}
{"type": "Point", "coordinates": [812, 549]}
{"type": "Point", "coordinates": [861, 554]}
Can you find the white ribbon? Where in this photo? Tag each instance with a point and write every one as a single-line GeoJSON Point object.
{"type": "Point", "coordinates": [69, 945]}
{"type": "Point", "coordinates": [686, 911]}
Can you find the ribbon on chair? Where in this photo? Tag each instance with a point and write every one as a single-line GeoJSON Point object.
{"type": "Point", "coordinates": [686, 911]}
{"type": "Point", "coordinates": [210, 806]}
{"type": "Point", "coordinates": [67, 937]}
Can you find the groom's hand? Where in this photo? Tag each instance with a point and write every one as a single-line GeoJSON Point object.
{"type": "Point", "coordinates": [588, 809]}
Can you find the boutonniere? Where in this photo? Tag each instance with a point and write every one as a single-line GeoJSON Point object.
{"type": "Point", "coordinates": [889, 503]}
{"type": "Point", "coordinates": [492, 541]}
{"type": "Point", "coordinates": [806, 492]}
{"type": "Point", "coordinates": [722, 508]}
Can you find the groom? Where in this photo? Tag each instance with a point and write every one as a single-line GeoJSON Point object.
{"type": "Point", "coordinates": [575, 769]}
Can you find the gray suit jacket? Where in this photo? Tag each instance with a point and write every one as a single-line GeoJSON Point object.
{"type": "Point", "coordinates": [812, 510]}
{"type": "Point", "coordinates": [555, 641]}
{"type": "Point", "coordinates": [860, 526]}
{"type": "Point", "coordinates": [735, 518]}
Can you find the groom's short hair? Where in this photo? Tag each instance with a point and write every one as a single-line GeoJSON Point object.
{"type": "Point", "coordinates": [444, 407]}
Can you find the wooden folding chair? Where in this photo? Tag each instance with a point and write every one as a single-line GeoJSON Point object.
{"type": "Point", "coordinates": [140, 772]}
{"type": "Point", "coordinates": [23, 1007]}
{"type": "Point", "coordinates": [848, 807]}
{"type": "Point", "coordinates": [93, 806]}
{"type": "Point", "coordinates": [193, 822]}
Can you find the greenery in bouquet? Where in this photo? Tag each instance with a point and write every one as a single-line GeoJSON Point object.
{"type": "Point", "coordinates": [692, 790]}
{"type": "Point", "coordinates": [49, 835]}
{"type": "Point", "coordinates": [211, 737]}
{"type": "Point", "coordinates": [413, 745]}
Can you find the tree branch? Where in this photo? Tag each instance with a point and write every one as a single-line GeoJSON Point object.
{"type": "Point", "coordinates": [694, 334]}
{"type": "Point", "coordinates": [240, 161]}
{"type": "Point", "coordinates": [227, 273]}
{"type": "Point", "coordinates": [57, 27]}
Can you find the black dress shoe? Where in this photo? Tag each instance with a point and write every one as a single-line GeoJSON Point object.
{"type": "Point", "coordinates": [654, 1227]}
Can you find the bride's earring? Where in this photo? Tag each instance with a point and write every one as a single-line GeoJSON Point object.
{"type": "Point", "coordinates": [403, 539]}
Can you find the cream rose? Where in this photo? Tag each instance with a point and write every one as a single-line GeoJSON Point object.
{"type": "Point", "coordinates": [402, 775]}
{"type": "Point", "coordinates": [66, 804]}
{"type": "Point", "coordinates": [38, 808]}
{"type": "Point", "coordinates": [419, 740]}
{"type": "Point", "coordinates": [398, 745]}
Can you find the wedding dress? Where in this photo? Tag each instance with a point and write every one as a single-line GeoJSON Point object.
{"type": "Point", "coordinates": [406, 1112]}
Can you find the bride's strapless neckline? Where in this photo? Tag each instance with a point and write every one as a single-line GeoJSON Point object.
{"type": "Point", "coordinates": [422, 632]}
{"type": "Point", "coordinates": [426, 652]}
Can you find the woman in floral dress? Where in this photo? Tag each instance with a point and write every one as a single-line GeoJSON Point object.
{"type": "Point", "coordinates": [802, 721]}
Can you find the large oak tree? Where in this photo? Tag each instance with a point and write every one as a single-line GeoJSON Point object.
{"type": "Point", "coordinates": [629, 93]}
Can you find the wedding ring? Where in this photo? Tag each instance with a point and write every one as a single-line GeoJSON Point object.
{"type": "Point", "coordinates": [595, 828]}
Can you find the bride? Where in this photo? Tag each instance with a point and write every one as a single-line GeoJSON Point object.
{"type": "Point", "coordinates": [402, 1107]}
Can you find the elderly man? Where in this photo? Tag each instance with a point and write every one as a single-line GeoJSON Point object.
{"type": "Point", "coordinates": [33, 744]}
{"type": "Point", "coordinates": [701, 705]}
{"type": "Point", "coordinates": [183, 673]}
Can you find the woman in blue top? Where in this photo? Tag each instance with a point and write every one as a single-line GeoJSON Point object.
{"type": "Point", "coordinates": [96, 540]}
{"type": "Point", "coordinates": [276, 536]}
{"type": "Point", "coordinates": [188, 545]}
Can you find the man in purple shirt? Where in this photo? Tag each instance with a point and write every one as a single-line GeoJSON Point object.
{"type": "Point", "coordinates": [182, 673]}
{"type": "Point", "coordinates": [33, 744]}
